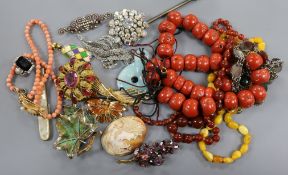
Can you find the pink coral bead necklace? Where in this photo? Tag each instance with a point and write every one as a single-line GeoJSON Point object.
{"type": "Point", "coordinates": [40, 80]}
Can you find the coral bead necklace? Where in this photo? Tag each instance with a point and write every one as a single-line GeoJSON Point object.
{"type": "Point", "coordinates": [31, 101]}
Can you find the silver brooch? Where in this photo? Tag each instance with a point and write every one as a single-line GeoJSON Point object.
{"type": "Point", "coordinates": [85, 23]}
{"type": "Point", "coordinates": [109, 50]}
{"type": "Point", "coordinates": [128, 25]}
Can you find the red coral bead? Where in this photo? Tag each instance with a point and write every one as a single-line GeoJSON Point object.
{"type": "Point", "coordinates": [189, 22]}
{"type": "Point", "coordinates": [260, 76]}
{"type": "Point", "coordinates": [149, 66]}
{"type": "Point", "coordinates": [178, 84]}
{"type": "Point", "coordinates": [254, 61]}
{"type": "Point", "coordinates": [208, 106]}
{"type": "Point", "coordinates": [209, 92]}
{"type": "Point", "coordinates": [177, 62]}
{"type": "Point", "coordinates": [152, 78]}
{"type": "Point", "coordinates": [199, 30]}
{"type": "Point", "coordinates": [157, 62]}
{"type": "Point", "coordinates": [187, 87]}
{"type": "Point", "coordinates": [203, 64]}
{"type": "Point", "coordinates": [166, 38]}
{"type": "Point", "coordinates": [211, 37]}
{"type": "Point", "coordinates": [246, 98]}
{"type": "Point", "coordinates": [165, 95]}
{"type": "Point", "coordinates": [230, 100]}
{"type": "Point", "coordinates": [170, 78]}
{"type": "Point", "coordinates": [190, 62]}
{"type": "Point", "coordinates": [167, 26]}
{"type": "Point", "coordinates": [259, 93]}
{"type": "Point", "coordinates": [190, 108]}
{"type": "Point", "coordinates": [176, 101]}
{"type": "Point", "coordinates": [197, 92]}
{"type": "Point", "coordinates": [227, 85]}
{"type": "Point", "coordinates": [165, 50]}
{"type": "Point", "coordinates": [215, 61]}
{"type": "Point", "coordinates": [218, 46]}
{"type": "Point", "coordinates": [175, 17]}
{"type": "Point", "coordinates": [167, 63]}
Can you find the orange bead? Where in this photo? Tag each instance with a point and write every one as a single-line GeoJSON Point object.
{"type": "Point", "coordinates": [175, 17]}
{"type": "Point", "coordinates": [170, 78]}
{"type": "Point", "coordinates": [167, 26]}
{"type": "Point", "coordinates": [260, 76]}
{"type": "Point", "coordinates": [176, 101]}
{"type": "Point", "coordinates": [165, 51]}
{"type": "Point", "coordinates": [190, 108]}
{"type": "Point", "coordinates": [208, 106]}
{"type": "Point", "coordinates": [203, 64]}
{"type": "Point", "coordinates": [246, 98]}
{"type": "Point", "coordinates": [187, 87]}
{"type": "Point", "coordinates": [178, 84]}
{"type": "Point", "coordinates": [190, 62]}
{"type": "Point", "coordinates": [215, 61]}
{"type": "Point", "coordinates": [197, 92]}
{"type": "Point", "coordinates": [254, 61]}
{"type": "Point", "coordinates": [259, 93]}
{"type": "Point", "coordinates": [211, 37]}
{"type": "Point", "coordinates": [230, 100]}
{"type": "Point", "coordinates": [189, 22]}
{"type": "Point", "coordinates": [199, 30]}
{"type": "Point", "coordinates": [166, 38]}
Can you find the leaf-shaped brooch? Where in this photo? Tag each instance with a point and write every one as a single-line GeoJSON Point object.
{"type": "Point", "coordinates": [77, 130]}
{"type": "Point", "coordinates": [105, 110]}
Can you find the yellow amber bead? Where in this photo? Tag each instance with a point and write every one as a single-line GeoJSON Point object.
{"type": "Point", "coordinates": [247, 139]}
{"type": "Point", "coordinates": [208, 155]}
{"type": "Point", "coordinates": [211, 77]}
{"type": "Point", "coordinates": [218, 119]}
{"type": "Point", "coordinates": [211, 85]}
{"type": "Point", "coordinates": [244, 148]}
{"type": "Point", "coordinates": [228, 160]}
{"type": "Point", "coordinates": [261, 46]}
{"type": "Point", "coordinates": [236, 155]}
{"type": "Point", "coordinates": [221, 112]}
{"type": "Point", "coordinates": [233, 125]}
{"type": "Point", "coordinates": [204, 132]}
{"type": "Point", "coordinates": [228, 117]}
{"type": "Point", "coordinates": [202, 146]}
{"type": "Point", "coordinates": [243, 130]}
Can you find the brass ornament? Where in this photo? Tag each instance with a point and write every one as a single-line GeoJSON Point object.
{"type": "Point", "coordinates": [105, 110]}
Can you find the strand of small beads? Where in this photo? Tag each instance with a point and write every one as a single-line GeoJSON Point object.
{"type": "Point", "coordinates": [39, 83]}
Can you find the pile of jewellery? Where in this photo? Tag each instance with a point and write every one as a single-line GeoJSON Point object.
{"type": "Point", "coordinates": [238, 74]}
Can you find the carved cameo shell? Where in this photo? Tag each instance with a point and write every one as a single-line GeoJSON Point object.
{"type": "Point", "coordinates": [123, 136]}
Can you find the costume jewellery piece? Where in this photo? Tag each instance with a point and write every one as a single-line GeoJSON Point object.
{"type": "Point", "coordinates": [238, 74]}
{"type": "Point", "coordinates": [126, 28]}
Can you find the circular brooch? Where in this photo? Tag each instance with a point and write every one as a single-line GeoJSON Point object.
{"type": "Point", "coordinates": [128, 26]}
